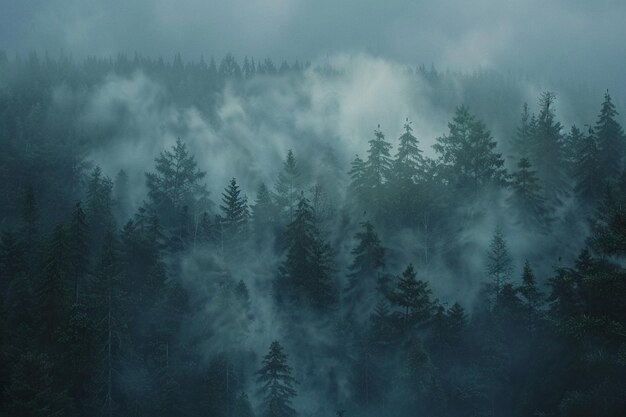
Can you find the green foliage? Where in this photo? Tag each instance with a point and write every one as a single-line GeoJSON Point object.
{"type": "Point", "coordinates": [276, 383]}
{"type": "Point", "coordinates": [175, 185]}
{"type": "Point", "coordinates": [467, 154]}
{"type": "Point", "coordinates": [306, 274]}
{"type": "Point", "coordinates": [288, 188]}
{"type": "Point", "coordinates": [611, 140]}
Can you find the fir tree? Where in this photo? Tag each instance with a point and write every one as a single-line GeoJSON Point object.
{"type": "Point", "coordinates": [288, 187]}
{"type": "Point", "coordinates": [413, 296]}
{"type": "Point", "coordinates": [108, 305]}
{"type": "Point", "coordinates": [524, 132]}
{"type": "Point", "coordinates": [176, 184]}
{"type": "Point", "coordinates": [98, 208]}
{"type": "Point", "coordinates": [530, 295]}
{"type": "Point", "coordinates": [499, 265]}
{"type": "Point", "coordinates": [235, 213]}
{"type": "Point", "coordinates": [367, 264]}
{"type": "Point", "coordinates": [242, 407]}
{"type": "Point", "coordinates": [263, 212]}
{"type": "Point", "coordinates": [276, 383]}
{"type": "Point", "coordinates": [611, 141]}
{"type": "Point", "coordinates": [409, 162]}
{"type": "Point", "coordinates": [305, 275]}
{"type": "Point", "coordinates": [587, 171]}
{"type": "Point", "coordinates": [53, 294]}
{"type": "Point", "coordinates": [378, 167]}
{"type": "Point", "coordinates": [358, 186]}
{"type": "Point", "coordinates": [467, 153]}
{"type": "Point", "coordinates": [547, 150]}
{"type": "Point", "coordinates": [79, 247]}
{"type": "Point", "coordinates": [526, 195]}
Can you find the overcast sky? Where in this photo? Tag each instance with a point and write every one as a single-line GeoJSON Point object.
{"type": "Point", "coordinates": [582, 38]}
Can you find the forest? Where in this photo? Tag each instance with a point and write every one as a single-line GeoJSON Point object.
{"type": "Point", "coordinates": [345, 237]}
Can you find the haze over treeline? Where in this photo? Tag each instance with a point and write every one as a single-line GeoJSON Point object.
{"type": "Point", "coordinates": [346, 236]}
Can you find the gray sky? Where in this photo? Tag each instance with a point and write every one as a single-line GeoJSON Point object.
{"type": "Point", "coordinates": [582, 38]}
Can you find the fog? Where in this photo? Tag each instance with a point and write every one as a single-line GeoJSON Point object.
{"type": "Point", "coordinates": [180, 284]}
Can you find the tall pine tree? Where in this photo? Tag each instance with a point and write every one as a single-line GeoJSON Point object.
{"type": "Point", "coordinates": [276, 383]}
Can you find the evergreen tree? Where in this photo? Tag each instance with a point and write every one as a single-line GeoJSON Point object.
{"type": "Point", "coordinates": [530, 295]}
{"type": "Point", "coordinates": [413, 296]}
{"type": "Point", "coordinates": [611, 141]}
{"type": "Point", "coordinates": [108, 306]}
{"type": "Point", "coordinates": [587, 170]}
{"type": "Point", "coordinates": [457, 321]}
{"type": "Point", "coordinates": [276, 383]}
{"type": "Point", "coordinates": [572, 147]}
{"type": "Point", "coordinates": [367, 264]}
{"type": "Point", "coordinates": [235, 213]}
{"type": "Point", "coordinates": [499, 265]}
{"type": "Point", "coordinates": [99, 204]}
{"type": "Point", "coordinates": [408, 175]}
{"type": "Point", "coordinates": [524, 132]}
{"type": "Point", "coordinates": [409, 162]}
{"type": "Point", "coordinates": [381, 329]}
{"type": "Point", "coordinates": [547, 150]}
{"type": "Point", "coordinates": [30, 233]}
{"type": "Point", "coordinates": [526, 195]}
{"type": "Point", "coordinates": [467, 154]}
{"type": "Point", "coordinates": [263, 212]}
{"type": "Point", "coordinates": [288, 187]}
{"type": "Point", "coordinates": [176, 184]}
{"type": "Point", "coordinates": [358, 185]}
{"type": "Point", "coordinates": [242, 406]}
{"type": "Point", "coordinates": [79, 247]}
{"type": "Point", "coordinates": [30, 221]}
{"type": "Point", "coordinates": [305, 276]}
{"type": "Point", "coordinates": [378, 168]}
{"type": "Point", "coordinates": [53, 294]}
{"type": "Point", "coordinates": [32, 391]}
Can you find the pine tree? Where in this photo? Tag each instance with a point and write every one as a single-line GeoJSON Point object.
{"type": "Point", "coordinates": [30, 220]}
{"type": "Point", "coordinates": [30, 233]}
{"type": "Point", "coordinates": [524, 132]}
{"type": "Point", "coordinates": [378, 167]}
{"type": "Point", "coordinates": [235, 213]}
{"type": "Point", "coordinates": [456, 323]}
{"type": "Point", "coordinates": [32, 391]}
{"type": "Point", "coordinates": [413, 296]}
{"type": "Point", "coordinates": [368, 262]}
{"type": "Point", "coordinates": [79, 247]}
{"type": "Point", "coordinates": [276, 383]}
{"type": "Point", "coordinates": [288, 187]}
{"type": "Point", "coordinates": [408, 175]}
{"type": "Point", "coordinates": [176, 184]}
{"type": "Point", "coordinates": [526, 195]}
{"type": "Point", "coordinates": [587, 170]}
{"type": "Point", "coordinates": [381, 330]}
{"type": "Point", "coordinates": [242, 406]}
{"type": "Point", "coordinates": [263, 212]}
{"type": "Point", "coordinates": [306, 274]}
{"type": "Point", "coordinates": [409, 162]}
{"type": "Point", "coordinates": [547, 150]}
{"type": "Point", "coordinates": [530, 295]}
{"type": "Point", "coordinates": [499, 265]}
{"type": "Point", "coordinates": [572, 146]}
{"type": "Point", "coordinates": [99, 205]}
{"type": "Point", "coordinates": [53, 294]}
{"type": "Point", "coordinates": [108, 305]}
{"type": "Point", "coordinates": [358, 185]}
{"type": "Point", "coordinates": [611, 141]}
{"type": "Point", "coordinates": [467, 154]}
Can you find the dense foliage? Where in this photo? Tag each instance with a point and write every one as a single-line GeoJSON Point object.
{"type": "Point", "coordinates": [321, 296]}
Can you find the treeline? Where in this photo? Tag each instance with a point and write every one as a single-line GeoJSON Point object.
{"type": "Point", "coordinates": [102, 316]}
